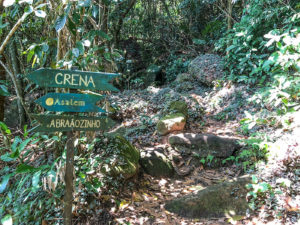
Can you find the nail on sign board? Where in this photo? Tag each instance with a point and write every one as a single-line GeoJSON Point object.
{"type": "Point", "coordinates": [73, 79]}
{"type": "Point", "coordinates": [54, 123]}
{"type": "Point", "coordinates": [69, 102]}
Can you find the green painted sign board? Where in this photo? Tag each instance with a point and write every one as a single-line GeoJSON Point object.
{"type": "Point", "coordinates": [73, 79]}
{"type": "Point", "coordinates": [58, 123]}
{"type": "Point", "coordinates": [69, 102]}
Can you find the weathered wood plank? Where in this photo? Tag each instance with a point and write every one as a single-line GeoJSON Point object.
{"type": "Point", "coordinates": [73, 79]}
{"type": "Point", "coordinates": [54, 123]}
{"type": "Point", "coordinates": [69, 102]}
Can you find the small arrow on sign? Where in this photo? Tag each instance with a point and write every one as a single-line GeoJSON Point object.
{"type": "Point", "coordinates": [54, 123]}
{"type": "Point", "coordinates": [69, 102]}
{"type": "Point", "coordinates": [73, 79]}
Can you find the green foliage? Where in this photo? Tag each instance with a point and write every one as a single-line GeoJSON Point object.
{"type": "Point", "coordinates": [254, 150]}
{"type": "Point", "coordinates": [176, 65]}
{"type": "Point", "coordinates": [258, 192]}
{"type": "Point", "coordinates": [248, 51]}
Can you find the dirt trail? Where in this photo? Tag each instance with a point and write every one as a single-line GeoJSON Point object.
{"type": "Point", "coordinates": [145, 205]}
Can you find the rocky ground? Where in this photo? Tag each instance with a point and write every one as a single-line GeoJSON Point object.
{"type": "Point", "coordinates": [188, 157]}
{"type": "Point", "coordinates": [215, 111]}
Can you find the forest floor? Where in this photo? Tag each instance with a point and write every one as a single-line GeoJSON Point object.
{"type": "Point", "coordinates": [217, 111]}
{"type": "Point", "coordinates": [141, 199]}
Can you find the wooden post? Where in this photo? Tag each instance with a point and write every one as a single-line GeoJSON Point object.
{"type": "Point", "coordinates": [68, 198]}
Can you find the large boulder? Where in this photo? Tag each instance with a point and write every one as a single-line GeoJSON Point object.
{"type": "Point", "coordinates": [207, 68]}
{"type": "Point", "coordinates": [155, 163]}
{"type": "Point", "coordinates": [170, 123]}
{"type": "Point", "coordinates": [204, 144]}
{"type": "Point", "coordinates": [224, 199]}
{"type": "Point", "coordinates": [127, 163]}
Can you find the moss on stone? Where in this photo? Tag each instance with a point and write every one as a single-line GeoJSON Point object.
{"type": "Point", "coordinates": [156, 164]}
{"type": "Point", "coordinates": [179, 107]}
{"type": "Point", "coordinates": [167, 123]}
{"type": "Point", "coordinates": [227, 198]}
{"type": "Point", "coordinates": [128, 162]}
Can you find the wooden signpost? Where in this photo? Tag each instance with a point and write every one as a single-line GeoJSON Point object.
{"type": "Point", "coordinates": [66, 102]}
{"type": "Point", "coordinates": [73, 79]}
{"type": "Point", "coordinates": [70, 102]}
{"type": "Point", "coordinates": [57, 123]}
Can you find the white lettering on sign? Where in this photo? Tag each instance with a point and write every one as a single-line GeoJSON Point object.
{"type": "Point", "coordinates": [71, 123]}
{"type": "Point", "coordinates": [74, 80]}
{"type": "Point", "coordinates": [70, 102]}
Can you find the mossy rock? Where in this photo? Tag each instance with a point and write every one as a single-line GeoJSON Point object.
{"type": "Point", "coordinates": [156, 164]}
{"type": "Point", "coordinates": [127, 164]}
{"type": "Point", "coordinates": [170, 123]}
{"type": "Point", "coordinates": [205, 144]}
{"type": "Point", "coordinates": [179, 107]}
{"type": "Point", "coordinates": [184, 77]}
{"type": "Point", "coordinates": [220, 200]}
{"type": "Point", "coordinates": [207, 68]}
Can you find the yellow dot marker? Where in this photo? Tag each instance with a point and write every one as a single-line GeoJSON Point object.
{"type": "Point", "coordinates": [49, 101]}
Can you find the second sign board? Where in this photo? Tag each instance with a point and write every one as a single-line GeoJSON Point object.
{"type": "Point", "coordinates": [69, 102]}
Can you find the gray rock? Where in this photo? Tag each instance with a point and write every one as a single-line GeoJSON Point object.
{"type": "Point", "coordinates": [127, 164]}
{"type": "Point", "coordinates": [184, 77]}
{"type": "Point", "coordinates": [204, 144]}
{"type": "Point", "coordinates": [170, 123]}
{"type": "Point", "coordinates": [224, 199]}
{"type": "Point", "coordinates": [207, 68]}
{"type": "Point", "coordinates": [155, 163]}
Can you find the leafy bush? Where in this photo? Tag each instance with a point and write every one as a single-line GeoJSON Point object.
{"type": "Point", "coordinates": [176, 65]}
{"type": "Point", "coordinates": [248, 50]}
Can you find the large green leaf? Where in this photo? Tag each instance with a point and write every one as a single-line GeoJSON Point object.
{"type": "Point", "coordinates": [23, 168]}
{"type": "Point", "coordinates": [85, 3]}
{"type": "Point", "coordinates": [103, 34]}
{"type": "Point", "coordinates": [4, 183]}
{"type": "Point", "coordinates": [5, 128]}
{"type": "Point", "coordinates": [7, 220]}
{"type": "Point", "coordinates": [40, 13]}
{"type": "Point", "coordinates": [75, 52]}
{"type": "Point", "coordinates": [72, 26]}
{"type": "Point", "coordinates": [36, 179]}
{"type": "Point", "coordinates": [60, 22]}
{"type": "Point", "coordinates": [7, 157]}
{"type": "Point", "coordinates": [80, 47]}
{"type": "Point", "coordinates": [8, 3]}
{"type": "Point", "coordinates": [3, 90]}
{"type": "Point", "coordinates": [24, 144]}
{"type": "Point", "coordinates": [14, 145]}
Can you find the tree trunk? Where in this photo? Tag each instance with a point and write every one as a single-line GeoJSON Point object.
{"type": "Point", "coordinates": [2, 98]}
{"type": "Point", "coordinates": [17, 71]}
{"type": "Point", "coordinates": [117, 31]}
{"type": "Point", "coordinates": [2, 75]}
{"type": "Point", "coordinates": [229, 15]}
{"type": "Point", "coordinates": [104, 17]}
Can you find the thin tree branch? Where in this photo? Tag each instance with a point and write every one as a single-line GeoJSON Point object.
{"type": "Point", "coordinates": [226, 13]}
{"type": "Point", "coordinates": [93, 22]}
{"type": "Point", "coordinates": [12, 31]}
